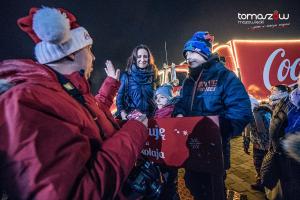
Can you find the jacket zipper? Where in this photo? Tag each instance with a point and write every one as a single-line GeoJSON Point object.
{"type": "Point", "coordinates": [195, 88]}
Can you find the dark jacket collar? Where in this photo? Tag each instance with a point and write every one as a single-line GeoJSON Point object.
{"type": "Point", "coordinates": [194, 72]}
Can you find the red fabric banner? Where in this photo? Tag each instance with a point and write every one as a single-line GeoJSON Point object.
{"type": "Point", "coordinates": [191, 142]}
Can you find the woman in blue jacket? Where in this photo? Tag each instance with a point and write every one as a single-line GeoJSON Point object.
{"type": "Point", "coordinates": [138, 83]}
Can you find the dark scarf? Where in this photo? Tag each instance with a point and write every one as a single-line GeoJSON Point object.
{"type": "Point", "coordinates": [142, 76]}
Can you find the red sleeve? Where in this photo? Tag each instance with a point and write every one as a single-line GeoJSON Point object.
{"type": "Point", "coordinates": [116, 158]}
{"type": "Point", "coordinates": [108, 91]}
{"type": "Point", "coordinates": [44, 157]}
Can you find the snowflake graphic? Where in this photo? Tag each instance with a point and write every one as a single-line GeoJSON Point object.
{"type": "Point", "coordinates": [194, 143]}
{"type": "Point", "coordinates": [176, 131]}
{"type": "Point", "coordinates": [185, 132]}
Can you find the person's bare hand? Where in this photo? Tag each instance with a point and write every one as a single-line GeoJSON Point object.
{"type": "Point", "coordinates": [111, 71]}
{"type": "Point", "coordinates": [143, 118]}
{"type": "Point", "coordinates": [123, 115]}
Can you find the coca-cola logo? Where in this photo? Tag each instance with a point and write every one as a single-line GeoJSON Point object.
{"type": "Point", "coordinates": [285, 69]}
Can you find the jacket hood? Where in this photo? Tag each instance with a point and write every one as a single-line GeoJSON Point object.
{"type": "Point", "coordinates": [19, 71]}
{"type": "Point", "coordinates": [14, 72]}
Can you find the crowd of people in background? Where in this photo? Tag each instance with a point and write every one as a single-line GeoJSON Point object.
{"type": "Point", "coordinates": [271, 130]}
{"type": "Point", "coordinates": [58, 141]}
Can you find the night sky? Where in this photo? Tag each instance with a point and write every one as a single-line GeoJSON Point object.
{"type": "Point", "coordinates": [118, 26]}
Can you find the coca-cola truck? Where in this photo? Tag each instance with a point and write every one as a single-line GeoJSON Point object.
{"type": "Point", "coordinates": [260, 64]}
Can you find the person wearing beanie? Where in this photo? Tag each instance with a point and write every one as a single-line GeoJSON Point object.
{"type": "Point", "coordinates": [211, 89]}
{"type": "Point", "coordinates": [201, 43]}
{"type": "Point", "coordinates": [163, 95]}
{"type": "Point", "coordinates": [165, 102]}
{"type": "Point", "coordinates": [58, 141]}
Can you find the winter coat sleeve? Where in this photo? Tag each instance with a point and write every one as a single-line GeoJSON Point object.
{"type": "Point", "coordinates": [108, 91]}
{"type": "Point", "coordinates": [237, 112]}
{"type": "Point", "coordinates": [278, 123]}
{"type": "Point", "coordinates": [180, 103]}
{"type": "Point", "coordinates": [121, 104]}
{"type": "Point", "coordinates": [246, 137]}
{"type": "Point", "coordinates": [44, 156]}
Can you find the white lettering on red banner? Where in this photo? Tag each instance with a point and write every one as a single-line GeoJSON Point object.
{"type": "Point", "coordinates": [284, 71]}
{"type": "Point", "coordinates": [153, 153]}
{"type": "Point", "coordinates": [157, 133]}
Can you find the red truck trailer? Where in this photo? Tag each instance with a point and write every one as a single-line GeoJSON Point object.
{"type": "Point", "coordinates": [260, 64]}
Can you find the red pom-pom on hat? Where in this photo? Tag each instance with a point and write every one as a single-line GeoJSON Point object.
{"type": "Point", "coordinates": [25, 23]}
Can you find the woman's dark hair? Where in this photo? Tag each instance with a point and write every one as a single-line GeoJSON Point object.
{"type": "Point", "coordinates": [132, 59]}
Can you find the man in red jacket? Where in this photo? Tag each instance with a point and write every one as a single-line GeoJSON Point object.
{"type": "Point", "coordinates": [58, 141]}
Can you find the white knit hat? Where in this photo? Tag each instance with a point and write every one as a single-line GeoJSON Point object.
{"type": "Point", "coordinates": [58, 39]}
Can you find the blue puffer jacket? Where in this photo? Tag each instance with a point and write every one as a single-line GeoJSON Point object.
{"type": "Point", "coordinates": [212, 89]}
{"type": "Point", "coordinates": [136, 91]}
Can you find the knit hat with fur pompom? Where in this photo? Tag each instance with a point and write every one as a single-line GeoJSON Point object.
{"type": "Point", "coordinates": [55, 32]}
